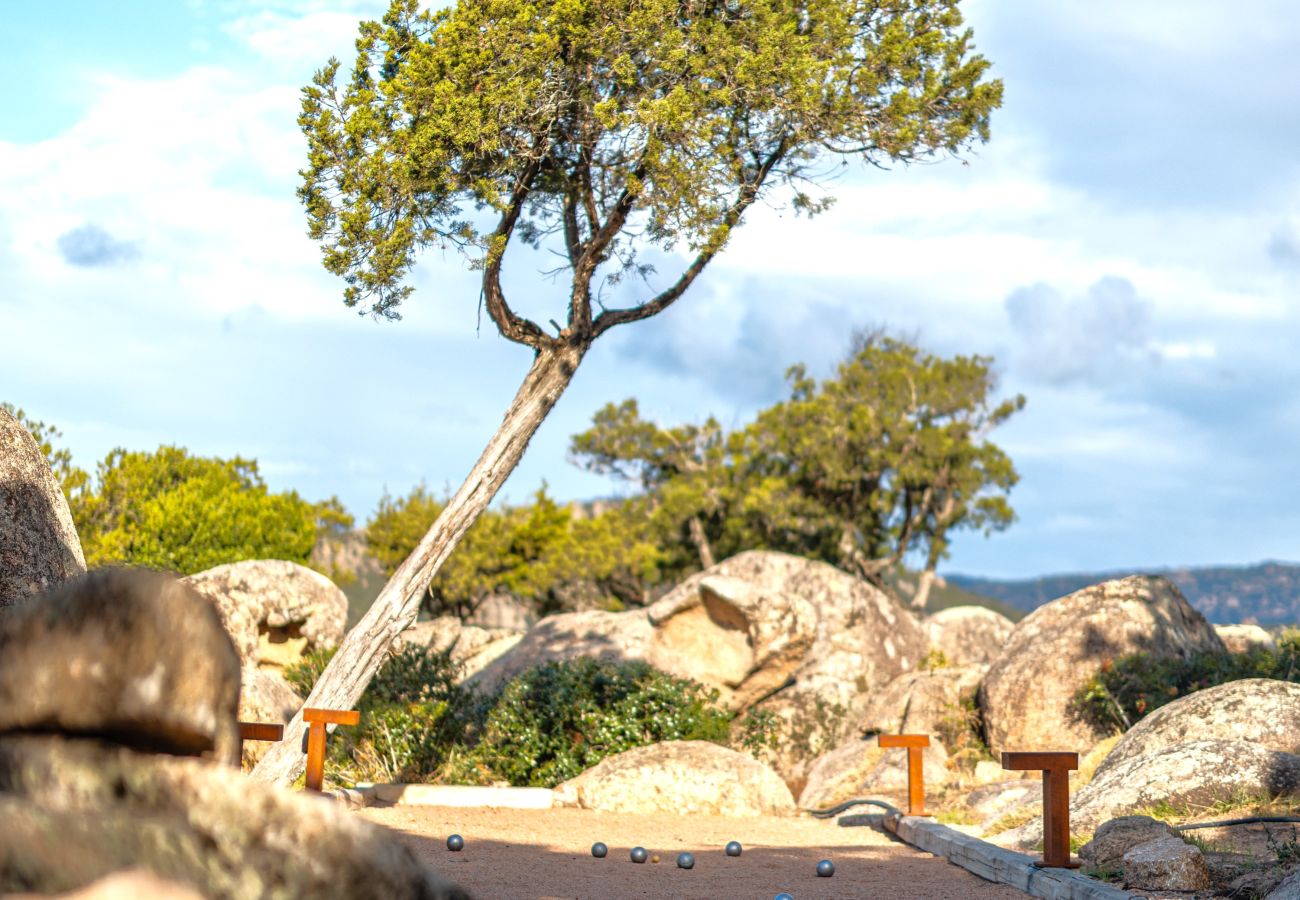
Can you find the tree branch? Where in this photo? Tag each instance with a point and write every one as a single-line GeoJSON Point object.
{"type": "Point", "coordinates": [748, 194]}
{"type": "Point", "coordinates": [512, 327]}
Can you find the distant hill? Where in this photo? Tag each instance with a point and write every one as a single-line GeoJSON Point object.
{"type": "Point", "coordinates": [1266, 593]}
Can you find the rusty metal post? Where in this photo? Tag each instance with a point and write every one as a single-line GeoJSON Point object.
{"type": "Point", "coordinates": [915, 744]}
{"type": "Point", "coordinates": [1056, 768]}
{"type": "Point", "coordinates": [258, 731]}
{"type": "Point", "coordinates": [316, 720]}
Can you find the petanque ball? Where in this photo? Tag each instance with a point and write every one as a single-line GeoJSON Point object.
{"type": "Point", "coordinates": [599, 850]}
{"type": "Point", "coordinates": [825, 869]}
{"type": "Point", "coordinates": [655, 859]}
{"type": "Point", "coordinates": [685, 860]}
{"type": "Point", "coordinates": [783, 897]}
{"type": "Point", "coordinates": [639, 855]}
{"type": "Point", "coordinates": [733, 848]}
{"type": "Point", "coordinates": [455, 842]}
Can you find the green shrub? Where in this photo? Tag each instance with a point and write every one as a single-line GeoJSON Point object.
{"type": "Point", "coordinates": [546, 725]}
{"type": "Point", "coordinates": [412, 715]}
{"type": "Point", "coordinates": [559, 719]}
{"type": "Point", "coordinates": [1128, 688]}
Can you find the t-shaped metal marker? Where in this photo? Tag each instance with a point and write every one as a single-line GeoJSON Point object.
{"type": "Point", "coordinates": [915, 744]}
{"type": "Point", "coordinates": [1056, 767]}
{"type": "Point", "coordinates": [316, 720]}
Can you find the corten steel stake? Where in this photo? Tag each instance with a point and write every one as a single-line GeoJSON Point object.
{"type": "Point", "coordinates": [1056, 767]}
{"type": "Point", "coordinates": [258, 731]}
{"type": "Point", "coordinates": [316, 720]}
{"type": "Point", "coordinates": [915, 744]}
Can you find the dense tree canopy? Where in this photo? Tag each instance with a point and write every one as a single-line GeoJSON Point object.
{"type": "Point", "coordinates": [885, 458]}
{"type": "Point", "coordinates": [614, 125]}
{"type": "Point", "coordinates": [171, 510]}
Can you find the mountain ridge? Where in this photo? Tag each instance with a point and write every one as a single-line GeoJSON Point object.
{"type": "Point", "coordinates": [1263, 593]}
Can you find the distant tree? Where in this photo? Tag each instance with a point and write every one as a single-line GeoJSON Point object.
{"type": "Point", "coordinates": [598, 128]}
{"type": "Point", "coordinates": [171, 510]}
{"type": "Point", "coordinates": [538, 552]}
{"type": "Point", "coordinates": [885, 458]}
{"type": "Point", "coordinates": [678, 465]}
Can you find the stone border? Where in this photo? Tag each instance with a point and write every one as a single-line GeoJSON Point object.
{"type": "Point", "coordinates": [989, 862]}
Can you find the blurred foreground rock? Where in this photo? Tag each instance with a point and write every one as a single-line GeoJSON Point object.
{"type": "Point", "coordinates": [126, 653]}
{"type": "Point", "coordinates": [110, 689]}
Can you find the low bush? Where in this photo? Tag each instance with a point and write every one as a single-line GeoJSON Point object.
{"type": "Point", "coordinates": [413, 715]}
{"type": "Point", "coordinates": [546, 725]}
{"type": "Point", "coordinates": [1130, 687]}
{"type": "Point", "coordinates": [561, 718]}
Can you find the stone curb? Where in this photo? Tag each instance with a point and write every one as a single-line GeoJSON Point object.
{"type": "Point", "coordinates": [990, 862]}
{"type": "Point", "coordinates": [445, 795]}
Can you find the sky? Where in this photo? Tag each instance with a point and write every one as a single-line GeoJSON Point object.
{"type": "Point", "coordinates": [1126, 247]}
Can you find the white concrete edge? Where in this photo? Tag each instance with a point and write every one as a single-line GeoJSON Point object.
{"type": "Point", "coordinates": [994, 863]}
{"type": "Point", "coordinates": [446, 795]}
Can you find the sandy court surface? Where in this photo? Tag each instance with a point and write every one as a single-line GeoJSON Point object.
{"type": "Point", "coordinates": [545, 854]}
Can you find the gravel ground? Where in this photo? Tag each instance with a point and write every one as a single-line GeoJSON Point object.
{"type": "Point", "coordinates": [544, 854]}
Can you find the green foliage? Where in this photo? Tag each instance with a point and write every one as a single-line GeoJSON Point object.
{"type": "Point", "coordinates": [577, 118]}
{"type": "Point", "coordinates": [540, 552]}
{"type": "Point", "coordinates": [170, 510]}
{"type": "Point", "coordinates": [412, 715]}
{"type": "Point", "coordinates": [889, 456]}
{"type": "Point", "coordinates": [1128, 688]}
{"type": "Point", "coordinates": [70, 478]}
{"type": "Point", "coordinates": [545, 726]}
{"type": "Point", "coordinates": [559, 719]}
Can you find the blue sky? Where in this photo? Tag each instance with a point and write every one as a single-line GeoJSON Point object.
{"type": "Point", "coordinates": [1127, 247]}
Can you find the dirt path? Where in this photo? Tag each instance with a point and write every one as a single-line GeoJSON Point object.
{"type": "Point", "coordinates": [545, 854]}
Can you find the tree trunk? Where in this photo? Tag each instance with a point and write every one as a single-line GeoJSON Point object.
{"type": "Point", "coordinates": [701, 542]}
{"type": "Point", "coordinates": [366, 646]}
{"type": "Point", "coordinates": [924, 582]}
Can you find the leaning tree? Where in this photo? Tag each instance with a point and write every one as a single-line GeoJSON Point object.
{"type": "Point", "coordinates": [598, 129]}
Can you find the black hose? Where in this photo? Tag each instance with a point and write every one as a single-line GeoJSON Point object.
{"type": "Point", "coordinates": [848, 804]}
{"type": "Point", "coordinates": [1251, 820]}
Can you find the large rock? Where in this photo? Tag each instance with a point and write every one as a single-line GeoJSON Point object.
{"type": "Point", "coordinates": [968, 634]}
{"type": "Point", "coordinates": [39, 548]}
{"type": "Point", "coordinates": [264, 697]}
{"type": "Point", "coordinates": [750, 624]}
{"type": "Point", "coordinates": [1165, 864]}
{"type": "Point", "coordinates": [1026, 698]}
{"type": "Point", "coordinates": [75, 810]}
{"type": "Point", "coordinates": [1196, 774]}
{"type": "Point", "coordinates": [616, 637]}
{"type": "Point", "coordinates": [275, 610]}
{"type": "Point", "coordinates": [131, 654]}
{"type": "Point", "coordinates": [747, 624]}
{"type": "Point", "coordinates": [683, 777]}
{"type": "Point", "coordinates": [472, 648]}
{"type": "Point", "coordinates": [1260, 710]}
